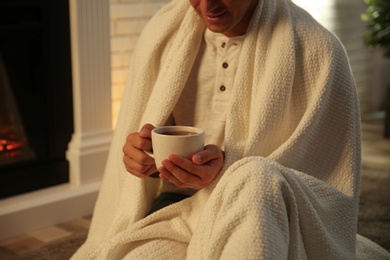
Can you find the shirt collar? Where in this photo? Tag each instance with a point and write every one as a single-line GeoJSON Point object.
{"type": "Point", "coordinates": [218, 39]}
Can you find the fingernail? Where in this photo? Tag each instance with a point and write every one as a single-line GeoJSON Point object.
{"type": "Point", "coordinates": [166, 163]}
{"type": "Point", "coordinates": [162, 177]}
{"type": "Point", "coordinates": [197, 158]}
{"type": "Point", "coordinates": [144, 132]}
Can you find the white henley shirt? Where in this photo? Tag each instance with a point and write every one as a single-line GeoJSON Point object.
{"type": "Point", "coordinates": [204, 100]}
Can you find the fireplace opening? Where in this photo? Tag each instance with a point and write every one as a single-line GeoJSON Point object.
{"type": "Point", "coordinates": [14, 145]}
{"type": "Point", "coordinates": [36, 112]}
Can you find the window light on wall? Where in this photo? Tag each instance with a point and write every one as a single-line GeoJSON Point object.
{"type": "Point", "coordinates": [321, 10]}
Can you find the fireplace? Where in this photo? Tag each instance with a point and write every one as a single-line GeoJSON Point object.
{"type": "Point", "coordinates": [36, 112]}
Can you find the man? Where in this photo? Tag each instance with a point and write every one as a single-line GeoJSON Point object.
{"type": "Point", "coordinates": [280, 177]}
{"type": "Point", "coordinates": [230, 18]}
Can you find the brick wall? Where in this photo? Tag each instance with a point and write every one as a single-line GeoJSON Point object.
{"type": "Point", "coordinates": [128, 18]}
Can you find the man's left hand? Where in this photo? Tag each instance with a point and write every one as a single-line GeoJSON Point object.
{"type": "Point", "coordinates": [197, 172]}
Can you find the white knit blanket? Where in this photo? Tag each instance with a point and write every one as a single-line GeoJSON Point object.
{"type": "Point", "coordinates": [290, 184]}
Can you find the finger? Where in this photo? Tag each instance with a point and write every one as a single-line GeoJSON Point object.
{"type": "Point", "coordinates": [130, 150]}
{"type": "Point", "coordinates": [146, 130]}
{"type": "Point", "coordinates": [210, 152]}
{"type": "Point", "coordinates": [134, 140]}
{"type": "Point", "coordinates": [167, 176]}
{"type": "Point", "coordinates": [137, 161]}
{"type": "Point", "coordinates": [137, 169]}
{"type": "Point", "coordinates": [141, 175]}
{"type": "Point", "coordinates": [142, 158]}
{"type": "Point", "coordinates": [179, 176]}
{"type": "Point", "coordinates": [201, 175]}
{"type": "Point", "coordinates": [184, 164]}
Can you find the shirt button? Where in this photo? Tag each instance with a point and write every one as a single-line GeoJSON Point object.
{"type": "Point", "coordinates": [223, 45]}
{"type": "Point", "coordinates": [225, 65]}
{"type": "Point", "coordinates": [222, 88]}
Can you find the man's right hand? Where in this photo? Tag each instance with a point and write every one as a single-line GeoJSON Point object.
{"type": "Point", "coordinates": [136, 161]}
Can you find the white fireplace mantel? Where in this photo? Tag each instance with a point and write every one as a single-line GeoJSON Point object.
{"type": "Point", "coordinates": [88, 149]}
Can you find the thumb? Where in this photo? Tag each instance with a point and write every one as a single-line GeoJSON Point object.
{"type": "Point", "coordinates": [209, 153]}
{"type": "Point", "coordinates": [146, 130]}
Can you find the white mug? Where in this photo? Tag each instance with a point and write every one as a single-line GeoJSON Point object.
{"type": "Point", "coordinates": [181, 140]}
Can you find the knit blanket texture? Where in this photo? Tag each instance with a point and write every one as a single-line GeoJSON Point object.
{"type": "Point", "coordinates": [290, 183]}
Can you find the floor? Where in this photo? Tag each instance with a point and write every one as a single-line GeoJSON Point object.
{"type": "Point", "coordinates": [21, 244]}
{"type": "Point", "coordinates": [374, 204]}
{"type": "Point", "coordinates": [375, 148]}
{"type": "Point", "coordinates": [375, 155]}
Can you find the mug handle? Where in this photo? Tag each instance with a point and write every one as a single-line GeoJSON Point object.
{"type": "Point", "coordinates": [150, 153]}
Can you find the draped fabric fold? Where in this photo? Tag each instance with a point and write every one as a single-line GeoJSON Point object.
{"type": "Point", "coordinates": [290, 183]}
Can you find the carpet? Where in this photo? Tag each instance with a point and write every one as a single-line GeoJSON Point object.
{"type": "Point", "coordinates": [59, 250]}
{"type": "Point", "coordinates": [374, 207]}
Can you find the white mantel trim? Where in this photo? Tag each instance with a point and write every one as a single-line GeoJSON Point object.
{"type": "Point", "coordinates": [91, 69]}
{"type": "Point", "coordinates": [88, 149]}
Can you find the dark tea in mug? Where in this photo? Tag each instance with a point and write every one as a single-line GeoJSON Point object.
{"type": "Point", "coordinates": [178, 133]}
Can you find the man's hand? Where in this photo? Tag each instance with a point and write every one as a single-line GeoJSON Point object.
{"type": "Point", "coordinates": [137, 162]}
{"type": "Point", "coordinates": [197, 172]}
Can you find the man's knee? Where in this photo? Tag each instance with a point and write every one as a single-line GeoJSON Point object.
{"type": "Point", "coordinates": [256, 176]}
